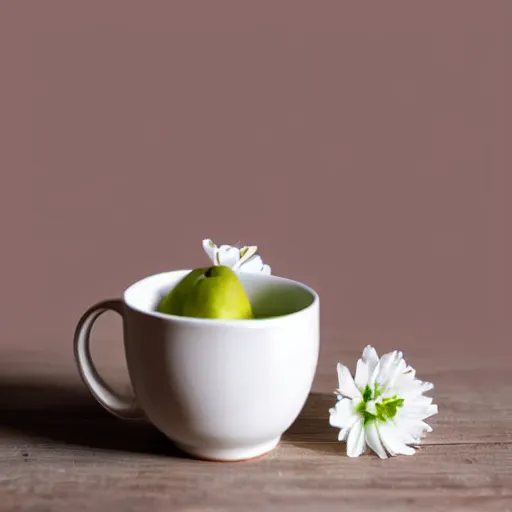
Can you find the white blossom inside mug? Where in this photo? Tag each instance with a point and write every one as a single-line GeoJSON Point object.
{"type": "Point", "coordinates": [240, 259]}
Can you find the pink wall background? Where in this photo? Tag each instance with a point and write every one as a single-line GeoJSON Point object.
{"type": "Point", "coordinates": [365, 146]}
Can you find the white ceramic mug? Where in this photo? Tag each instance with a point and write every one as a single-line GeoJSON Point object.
{"type": "Point", "coordinates": [219, 389]}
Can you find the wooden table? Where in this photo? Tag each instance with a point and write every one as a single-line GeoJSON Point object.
{"type": "Point", "coordinates": [59, 451]}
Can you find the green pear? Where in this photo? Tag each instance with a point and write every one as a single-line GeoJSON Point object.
{"type": "Point", "coordinates": [214, 292]}
{"type": "Point", "coordinates": [172, 303]}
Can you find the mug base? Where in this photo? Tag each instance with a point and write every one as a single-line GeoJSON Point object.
{"type": "Point", "coordinates": [229, 454]}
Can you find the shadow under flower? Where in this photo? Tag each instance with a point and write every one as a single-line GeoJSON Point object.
{"type": "Point", "coordinates": [311, 430]}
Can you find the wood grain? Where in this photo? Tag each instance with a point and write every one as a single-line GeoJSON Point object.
{"type": "Point", "coordinates": [61, 451]}
{"type": "Point", "coordinates": [294, 477]}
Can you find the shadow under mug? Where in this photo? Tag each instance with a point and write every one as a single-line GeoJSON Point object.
{"type": "Point", "coordinates": [219, 389]}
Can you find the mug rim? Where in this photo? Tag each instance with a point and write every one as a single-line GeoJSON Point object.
{"type": "Point", "coordinates": [212, 322]}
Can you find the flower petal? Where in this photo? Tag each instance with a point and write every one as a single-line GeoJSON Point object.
{"type": "Point", "coordinates": [342, 414]}
{"type": "Point", "coordinates": [362, 376]}
{"type": "Point", "coordinates": [386, 368]}
{"type": "Point", "coordinates": [404, 381]}
{"type": "Point", "coordinates": [395, 371]}
{"type": "Point", "coordinates": [417, 412]}
{"type": "Point", "coordinates": [416, 429]}
{"type": "Point", "coordinates": [412, 388]}
{"type": "Point", "coordinates": [266, 270]}
{"type": "Point", "coordinates": [346, 384]}
{"type": "Point", "coordinates": [386, 446]}
{"type": "Point", "coordinates": [373, 439]}
{"type": "Point", "coordinates": [342, 434]}
{"type": "Point", "coordinates": [253, 265]}
{"type": "Point", "coordinates": [210, 249]}
{"type": "Point", "coordinates": [228, 255]}
{"type": "Point", "coordinates": [392, 441]}
{"type": "Point", "coordinates": [371, 358]}
{"type": "Point", "coordinates": [247, 252]}
{"type": "Point", "coordinates": [373, 375]}
{"type": "Point", "coordinates": [420, 400]}
{"type": "Point", "coordinates": [356, 443]}
{"type": "Point", "coordinates": [406, 436]}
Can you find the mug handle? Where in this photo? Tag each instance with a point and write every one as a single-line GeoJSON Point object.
{"type": "Point", "coordinates": [121, 407]}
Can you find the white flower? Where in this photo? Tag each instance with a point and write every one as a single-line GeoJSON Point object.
{"type": "Point", "coordinates": [383, 407]}
{"type": "Point", "coordinates": [244, 259]}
